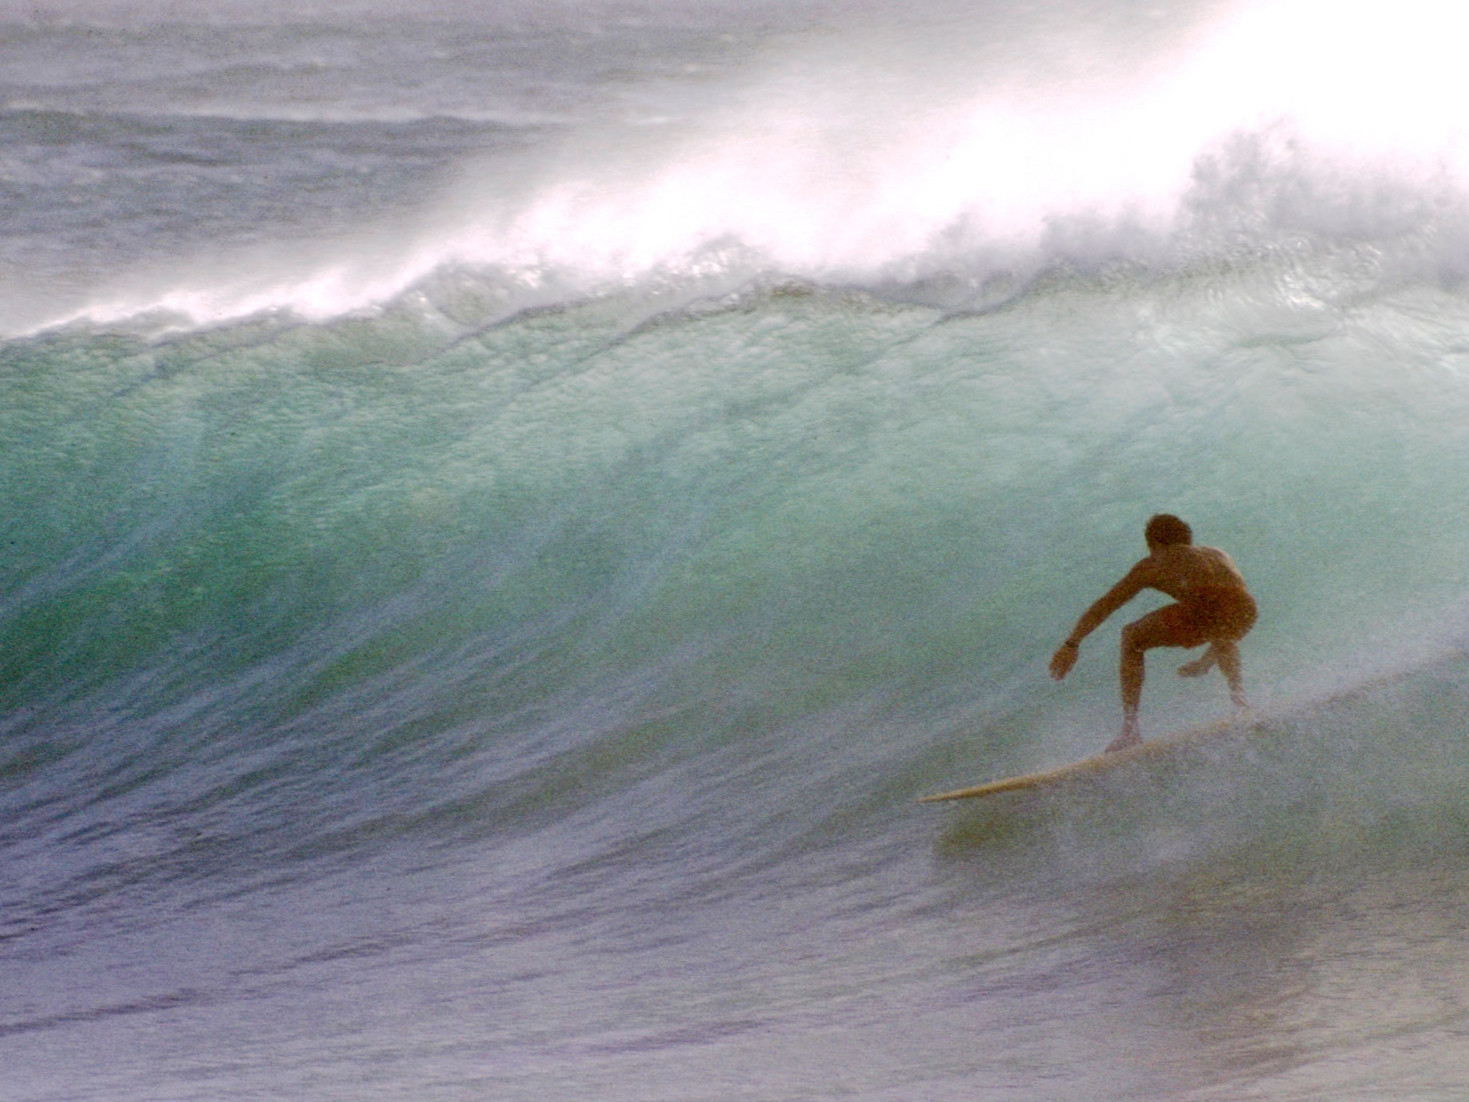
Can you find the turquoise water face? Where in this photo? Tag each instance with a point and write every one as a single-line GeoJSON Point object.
{"type": "Point", "coordinates": [822, 494]}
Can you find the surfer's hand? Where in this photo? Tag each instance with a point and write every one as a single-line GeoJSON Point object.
{"type": "Point", "coordinates": [1063, 659]}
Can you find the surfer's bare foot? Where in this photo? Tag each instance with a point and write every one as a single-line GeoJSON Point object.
{"type": "Point", "coordinates": [1124, 740]}
{"type": "Point", "coordinates": [1198, 667]}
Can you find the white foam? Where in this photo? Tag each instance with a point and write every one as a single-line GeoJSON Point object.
{"type": "Point", "coordinates": [861, 155]}
{"type": "Point", "coordinates": [853, 161]}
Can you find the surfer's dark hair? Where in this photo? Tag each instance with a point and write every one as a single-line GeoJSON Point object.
{"type": "Point", "coordinates": [1165, 529]}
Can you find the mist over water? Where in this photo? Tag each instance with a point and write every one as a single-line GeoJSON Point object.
{"type": "Point", "coordinates": [508, 508]}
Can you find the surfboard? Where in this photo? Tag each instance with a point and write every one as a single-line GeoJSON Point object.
{"type": "Point", "coordinates": [1101, 763]}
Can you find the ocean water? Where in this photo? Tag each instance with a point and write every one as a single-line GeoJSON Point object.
{"type": "Point", "coordinates": [508, 505]}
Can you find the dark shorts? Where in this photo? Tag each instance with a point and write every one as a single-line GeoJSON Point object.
{"type": "Point", "coordinates": [1217, 614]}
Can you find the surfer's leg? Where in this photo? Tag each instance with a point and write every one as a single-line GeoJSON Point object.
{"type": "Point", "coordinates": [1131, 697]}
{"type": "Point", "coordinates": [1230, 618]}
{"type": "Point", "coordinates": [1227, 652]}
{"type": "Point", "coordinates": [1131, 673]}
{"type": "Point", "coordinates": [1170, 626]}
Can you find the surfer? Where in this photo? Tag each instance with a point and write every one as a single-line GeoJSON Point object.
{"type": "Point", "coordinates": [1214, 607]}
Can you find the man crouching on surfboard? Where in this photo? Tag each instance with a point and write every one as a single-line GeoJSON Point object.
{"type": "Point", "coordinates": [1214, 607]}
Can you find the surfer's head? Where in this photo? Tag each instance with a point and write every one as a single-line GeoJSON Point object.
{"type": "Point", "coordinates": [1165, 529]}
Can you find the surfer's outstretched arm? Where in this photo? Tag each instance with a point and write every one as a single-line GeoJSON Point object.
{"type": "Point", "coordinates": [1129, 587]}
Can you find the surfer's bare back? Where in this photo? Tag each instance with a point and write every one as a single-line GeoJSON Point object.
{"type": "Point", "coordinates": [1214, 607]}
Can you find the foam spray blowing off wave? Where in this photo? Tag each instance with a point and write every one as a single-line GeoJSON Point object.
{"type": "Point", "coordinates": [911, 150]}
{"type": "Point", "coordinates": [904, 153]}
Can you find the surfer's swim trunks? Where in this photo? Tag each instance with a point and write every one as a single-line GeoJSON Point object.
{"type": "Point", "coordinates": [1218, 612]}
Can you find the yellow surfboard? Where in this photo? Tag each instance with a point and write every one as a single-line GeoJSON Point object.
{"type": "Point", "coordinates": [1101, 763]}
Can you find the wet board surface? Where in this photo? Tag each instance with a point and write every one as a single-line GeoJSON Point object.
{"type": "Point", "coordinates": [1101, 763]}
